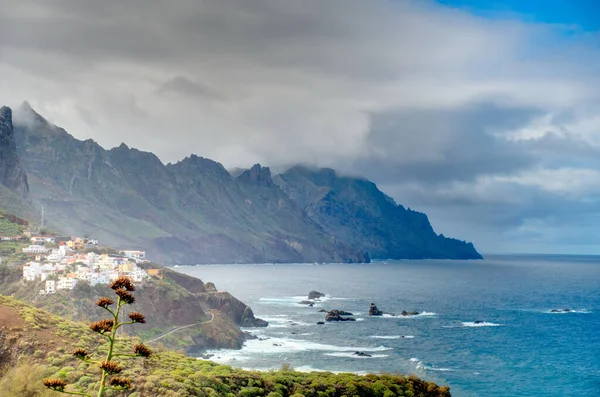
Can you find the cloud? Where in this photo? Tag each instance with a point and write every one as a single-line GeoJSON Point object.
{"type": "Point", "coordinates": [478, 121]}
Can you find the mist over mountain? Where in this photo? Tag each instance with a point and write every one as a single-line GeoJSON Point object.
{"type": "Point", "coordinates": [195, 211]}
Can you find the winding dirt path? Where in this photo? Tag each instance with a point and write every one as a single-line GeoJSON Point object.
{"type": "Point", "coordinates": [180, 328]}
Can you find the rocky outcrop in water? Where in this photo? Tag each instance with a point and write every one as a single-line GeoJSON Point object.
{"type": "Point", "coordinates": [405, 313]}
{"type": "Point", "coordinates": [374, 311]}
{"type": "Point", "coordinates": [315, 295]}
{"type": "Point", "coordinates": [336, 315]}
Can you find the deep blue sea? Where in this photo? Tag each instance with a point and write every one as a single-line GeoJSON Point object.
{"type": "Point", "coordinates": [521, 349]}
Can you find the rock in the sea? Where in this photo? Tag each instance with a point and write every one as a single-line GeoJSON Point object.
{"type": "Point", "coordinates": [322, 311]}
{"type": "Point", "coordinates": [335, 315]}
{"type": "Point", "coordinates": [405, 313]}
{"type": "Point", "coordinates": [478, 322]}
{"type": "Point", "coordinates": [248, 319]}
{"type": "Point", "coordinates": [320, 323]}
{"type": "Point", "coordinates": [362, 354]}
{"type": "Point", "coordinates": [374, 311]}
{"type": "Point", "coordinates": [343, 313]}
{"type": "Point", "coordinates": [560, 310]}
{"type": "Point", "coordinates": [305, 302]}
{"type": "Point", "coordinates": [315, 295]}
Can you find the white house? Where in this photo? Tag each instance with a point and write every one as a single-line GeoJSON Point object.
{"type": "Point", "coordinates": [31, 271]}
{"type": "Point", "coordinates": [36, 249]}
{"type": "Point", "coordinates": [66, 283]}
{"type": "Point", "coordinates": [50, 286]}
{"type": "Point", "coordinates": [136, 255]}
{"type": "Point", "coordinates": [138, 274]}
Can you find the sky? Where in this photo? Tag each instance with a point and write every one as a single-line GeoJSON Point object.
{"type": "Point", "coordinates": [484, 115]}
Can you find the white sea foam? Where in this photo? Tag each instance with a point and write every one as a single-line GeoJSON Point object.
{"type": "Point", "coordinates": [360, 319]}
{"type": "Point", "coordinates": [289, 345]}
{"type": "Point", "coordinates": [571, 311]}
{"type": "Point", "coordinates": [391, 336]}
{"type": "Point", "coordinates": [422, 366]}
{"type": "Point", "coordinates": [483, 324]}
{"type": "Point", "coordinates": [422, 314]}
{"type": "Point", "coordinates": [353, 355]}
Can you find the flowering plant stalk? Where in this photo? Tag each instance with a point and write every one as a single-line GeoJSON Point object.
{"type": "Point", "coordinates": [110, 380]}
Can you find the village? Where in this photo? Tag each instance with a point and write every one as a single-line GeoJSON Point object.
{"type": "Point", "coordinates": [63, 262]}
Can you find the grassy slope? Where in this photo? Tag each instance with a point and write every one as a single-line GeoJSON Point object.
{"type": "Point", "coordinates": [36, 344]}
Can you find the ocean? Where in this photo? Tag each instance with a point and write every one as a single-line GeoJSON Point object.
{"type": "Point", "coordinates": [485, 327]}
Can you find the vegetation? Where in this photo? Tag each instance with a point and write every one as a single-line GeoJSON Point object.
{"type": "Point", "coordinates": [32, 343]}
{"type": "Point", "coordinates": [108, 328]}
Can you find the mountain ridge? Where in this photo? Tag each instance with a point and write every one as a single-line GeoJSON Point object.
{"type": "Point", "coordinates": [192, 211]}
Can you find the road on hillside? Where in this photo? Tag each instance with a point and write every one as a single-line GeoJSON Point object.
{"type": "Point", "coordinates": [180, 328]}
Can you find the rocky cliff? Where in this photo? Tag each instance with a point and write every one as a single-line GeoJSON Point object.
{"type": "Point", "coordinates": [195, 211]}
{"type": "Point", "coordinates": [356, 211]}
{"type": "Point", "coordinates": [12, 175]}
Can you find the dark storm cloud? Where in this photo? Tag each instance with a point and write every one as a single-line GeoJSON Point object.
{"type": "Point", "coordinates": [441, 145]}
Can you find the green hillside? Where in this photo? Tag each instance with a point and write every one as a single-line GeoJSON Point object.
{"type": "Point", "coordinates": [35, 344]}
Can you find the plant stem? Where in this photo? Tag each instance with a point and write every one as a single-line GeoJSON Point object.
{"type": "Point", "coordinates": [109, 355]}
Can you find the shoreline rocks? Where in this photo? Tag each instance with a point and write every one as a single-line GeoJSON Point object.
{"type": "Point", "coordinates": [362, 354]}
{"type": "Point", "coordinates": [335, 315]}
{"type": "Point", "coordinates": [565, 310]}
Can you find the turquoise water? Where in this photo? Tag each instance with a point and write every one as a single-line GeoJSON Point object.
{"type": "Point", "coordinates": [520, 350]}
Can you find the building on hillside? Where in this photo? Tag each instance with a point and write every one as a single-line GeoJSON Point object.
{"type": "Point", "coordinates": [50, 286]}
{"type": "Point", "coordinates": [113, 275]}
{"type": "Point", "coordinates": [66, 283]}
{"type": "Point", "coordinates": [62, 240]}
{"type": "Point", "coordinates": [158, 273]}
{"type": "Point", "coordinates": [138, 274]}
{"type": "Point", "coordinates": [138, 256]}
{"type": "Point", "coordinates": [31, 271]}
{"type": "Point", "coordinates": [42, 239]}
{"type": "Point", "coordinates": [36, 249]}
{"type": "Point", "coordinates": [126, 267]}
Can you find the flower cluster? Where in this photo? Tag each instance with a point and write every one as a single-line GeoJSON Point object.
{"type": "Point", "coordinates": [137, 317]}
{"type": "Point", "coordinates": [81, 354]}
{"type": "Point", "coordinates": [102, 326]}
{"type": "Point", "coordinates": [55, 384]}
{"type": "Point", "coordinates": [104, 302]}
{"type": "Point", "coordinates": [125, 296]}
{"type": "Point", "coordinates": [142, 351]}
{"type": "Point", "coordinates": [121, 383]}
{"type": "Point", "coordinates": [123, 282]}
{"type": "Point", "coordinates": [111, 367]}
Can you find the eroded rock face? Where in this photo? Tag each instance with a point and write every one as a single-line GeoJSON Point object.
{"type": "Point", "coordinates": [335, 315]}
{"type": "Point", "coordinates": [12, 174]}
{"type": "Point", "coordinates": [374, 311]}
{"type": "Point", "coordinates": [210, 287]}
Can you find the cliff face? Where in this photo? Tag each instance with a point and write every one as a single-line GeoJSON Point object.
{"type": "Point", "coordinates": [193, 211]}
{"type": "Point", "coordinates": [356, 211]}
{"type": "Point", "coordinates": [12, 174]}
